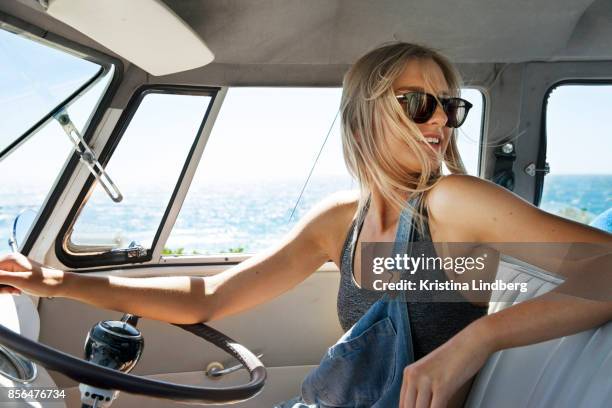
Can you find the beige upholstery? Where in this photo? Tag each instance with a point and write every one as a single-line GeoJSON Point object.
{"type": "Point", "coordinates": [573, 371]}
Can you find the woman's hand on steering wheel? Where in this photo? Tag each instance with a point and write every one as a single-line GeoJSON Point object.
{"type": "Point", "coordinates": [19, 273]}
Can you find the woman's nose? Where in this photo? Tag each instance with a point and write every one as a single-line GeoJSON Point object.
{"type": "Point", "coordinates": [439, 117]}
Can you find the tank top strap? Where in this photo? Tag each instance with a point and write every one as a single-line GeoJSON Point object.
{"type": "Point", "coordinates": [359, 223]}
{"type": "Point", "coordinates": [346, 260]}
{"type": "Point", "coordinates": [405, 227]}
{"type": "Point", "coordinates": [404, 235]}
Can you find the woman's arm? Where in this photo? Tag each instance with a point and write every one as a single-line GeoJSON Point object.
{"type": "Point", "coordinates": [468, 209]}
{"type": "Point", "coordinates": [502, 217]}
{"type": "Point", "coordinates": [185, 299]}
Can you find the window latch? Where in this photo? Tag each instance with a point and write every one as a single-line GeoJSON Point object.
{"type": "Point", "coordinates": [134, 250]}
{"type": "Point", "coordinates": [531, 169]}
{"type": "Point", "coordinates": [87, 155]}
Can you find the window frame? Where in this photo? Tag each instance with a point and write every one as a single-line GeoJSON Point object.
{"type": "Point", "coordinates": [99, 263]}
{"type": "Point", "coordinates": [106, 63]}
{"type": "Point", "coordinates": [62, 240]}
{"type": "Point", "coordinates": [229, 259]}
{"type": "Point", "coordinates": [543, 143]}
{"type": "Point", "coordinates": [481, 139]}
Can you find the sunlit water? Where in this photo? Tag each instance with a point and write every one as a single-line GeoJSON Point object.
{"type": "Point", "coordinates": [250, 217]}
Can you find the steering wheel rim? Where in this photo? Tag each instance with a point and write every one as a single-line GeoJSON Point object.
{"type": "Point", "coordinates": [92, 374]}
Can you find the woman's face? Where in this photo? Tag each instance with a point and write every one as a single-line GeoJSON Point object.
{"type": "Point", "coordinates": [426, 76]}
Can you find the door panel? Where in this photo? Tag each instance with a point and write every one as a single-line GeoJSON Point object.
{"type": "Point", "coordinates": [293, 332]}
{"type": "Point", "coordinates": [283, 383]}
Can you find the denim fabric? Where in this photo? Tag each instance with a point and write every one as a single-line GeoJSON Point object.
{"type": "Point", "coordinates": [364, 368]}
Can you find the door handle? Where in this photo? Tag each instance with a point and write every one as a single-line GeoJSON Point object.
{"type": "Point", "coordinates": [216, 370]}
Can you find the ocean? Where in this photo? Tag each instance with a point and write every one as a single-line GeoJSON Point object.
{"type": "Point", "coordinates": [249, 217]}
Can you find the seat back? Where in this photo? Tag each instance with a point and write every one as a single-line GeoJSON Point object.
{"type": "Point", "coordinates": [572, 371]}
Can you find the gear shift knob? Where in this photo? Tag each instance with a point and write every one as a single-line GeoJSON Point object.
{"type": "Point", "coordinates": [113, 344]}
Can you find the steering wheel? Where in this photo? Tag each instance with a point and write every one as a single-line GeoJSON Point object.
{"type": "Point", "coordinates": [92, 374]}
{"type": "Point", "coordinates": [95, 375]}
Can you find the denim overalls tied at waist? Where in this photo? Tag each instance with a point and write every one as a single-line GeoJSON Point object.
{"type": "Point", "coordinates": [365, 367]}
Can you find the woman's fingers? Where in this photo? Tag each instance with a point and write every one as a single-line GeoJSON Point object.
{"type": "Point", "coordinates": [7, 262]}
{"type": "Point", "coordinates": [408, 393]}
{"type": "Point", "coordinates": [18, 273]}
{"type": "Point", "coordinates": [7, 283]}
{"type": "Point", "coordinates": [423, 395]}
{"type": "Point", "coordinates": [419, 390]}
{"type": "Point", "coordinates": [7, 279]}
{"type": "Point", "coordinates": [438, 400]}
{"type": "Point", "coordinates": [15, 262]}
{"type": "Point", "coordinates": [9, 289]}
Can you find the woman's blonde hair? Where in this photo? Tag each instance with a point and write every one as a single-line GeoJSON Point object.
{"type": "Point", "coordinates": [370, 114]}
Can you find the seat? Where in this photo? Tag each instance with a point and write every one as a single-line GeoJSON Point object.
{"type": "Point", "coordinates": [572, 371]}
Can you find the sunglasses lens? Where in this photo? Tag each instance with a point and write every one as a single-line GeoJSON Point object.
{"type": "Point", "coordinates": [420, 106]}
{"type": "Point", "coordinates": [456, 110]}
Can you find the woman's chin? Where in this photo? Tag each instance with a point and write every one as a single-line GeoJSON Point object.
{"type": "Point", "coordinates": [435, 159]}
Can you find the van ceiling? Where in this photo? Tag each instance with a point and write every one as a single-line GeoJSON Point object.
{"type": "Point", "coordinates": [338, 31]}
{"type": "Point", "coordinates": [333, 33]}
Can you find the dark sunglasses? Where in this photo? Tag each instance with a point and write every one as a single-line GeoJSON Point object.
{"type": "Point", "coordinates": [421, 106]}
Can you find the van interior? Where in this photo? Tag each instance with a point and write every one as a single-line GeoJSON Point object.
{"type": "Point", "coordinates": [178, 137]}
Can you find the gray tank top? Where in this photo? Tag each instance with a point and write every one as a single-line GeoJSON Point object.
{"type": "Point", "coordinates": [431, 323]}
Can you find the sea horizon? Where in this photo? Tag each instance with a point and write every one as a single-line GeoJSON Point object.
{"type": "Point", "coordinates": [249, 216]}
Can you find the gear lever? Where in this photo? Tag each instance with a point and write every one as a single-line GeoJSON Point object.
{"type": "Point", "coordinates": [113, 344]}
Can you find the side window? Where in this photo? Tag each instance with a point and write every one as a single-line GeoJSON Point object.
{"type": "Point", "coordinates": [146, 166]}
{"type": "Point", "coordinates": [469, 135]}
{"type": "Point", "coordinates": [579, 185]}
{"type": "Point", "coordinates": [35, 79]}
{"type": "Point", "coordinates": [254, 183]}
{"type": "Point", "coordinates": [247, 191]}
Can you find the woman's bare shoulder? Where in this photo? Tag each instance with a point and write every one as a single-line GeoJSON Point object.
{"type": "Point", "coordinates": [461, 189]}
{"type": "Point", "coordinates": [455, 183]}
{"type": "Point", "coordinates": [470, 209]}
{"type": "Point", "coordinates": [457, 203]}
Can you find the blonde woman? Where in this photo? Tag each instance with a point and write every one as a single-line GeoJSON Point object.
{"type": "Point", "coordinates": [400, 108]}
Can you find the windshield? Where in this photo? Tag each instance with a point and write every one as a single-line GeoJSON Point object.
{"type": "Point", "coordinates": [35, 79]}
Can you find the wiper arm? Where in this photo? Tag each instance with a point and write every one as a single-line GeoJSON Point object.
{"type": "Point", "coordinates": [87, 155]}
